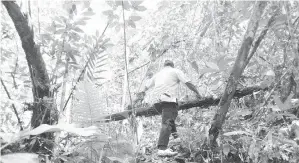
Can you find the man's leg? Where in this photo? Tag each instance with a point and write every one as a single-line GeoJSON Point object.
{"type": "Point", "coordinates": [173, 130]}
{"type": "Point", "coordinates": [169, 114]}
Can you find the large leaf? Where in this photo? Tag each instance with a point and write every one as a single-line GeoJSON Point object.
{"type": "Point", "coordinates": [136, 3]}
{"type": "Point", "coordinates": [131, 23]}
{"type": "Point", "coordinates": [80, 22]}
{"type": "Point", "coordinates": [140, 8]}
{"type": "Point", "coordinates": [280, 20]}
{"type": "Point", "coordinates": [20, 158]}
{"type": "Point", "coordinates": [207, 70]}
{"type": "Point", "coordinates": [117, 27]}
{"type": "Point", "coordinates": [286, 105]}
{"type": "Point", "coordinates": [60, 31]}
{"type": "Point", "coordinates": [108, 12]}
{"type": "Point", "coordinates": [126, 5]}
{"type": "Point", "coordinates": [134, 18]}
{"type": "Point", "coordinates": [195, 66]}
{"type": "Point", "coordinates": [92, 130]}
{"type": "Point", "coordinates": [77, 29]}
{"type": "Point", "coordinates": [212, 65]}
{"type": "Point", "coordinates": [89, 13]}
{"type": "Point", "coordinates": [237, 133]}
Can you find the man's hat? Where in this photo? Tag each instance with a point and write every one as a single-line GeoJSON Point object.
{"type": "Point", "coordinates": [168, 63]}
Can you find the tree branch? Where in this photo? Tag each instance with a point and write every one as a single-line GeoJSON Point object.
{"type": "Point", "coordinates": [13, 105]}
{"type": "Point", "coordinates": [261, 37]}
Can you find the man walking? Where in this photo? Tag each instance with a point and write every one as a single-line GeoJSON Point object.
{"type": "Point", "coordinates": [166, 83]}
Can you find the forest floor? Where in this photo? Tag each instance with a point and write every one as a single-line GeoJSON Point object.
{"type": "Point", "coordinates": [192, 129]}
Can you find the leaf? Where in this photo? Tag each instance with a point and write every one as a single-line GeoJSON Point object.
{"type": "Point", "coordinates": [132, 24]}
{"type": "Point", "coordinates": [286, 105]}
{"type": "Point", "coordinates": [84, 18]}
{"type": "Point", "coordinates": [252, 149]}
{"type": "Point", "coordinates": [73, 57]}
{"type": "Point", "coordinates": [206, 70]}
{"type": "Point", "coordinates": [46, 36]}
{"type": "Point", "coordinates": [80, 22]}
{"type": "Point", "coordinates": [270, 73]}
{"type": "Point", "coordinates": [126, 5]}
{"type": "Point", "coordinates": [60, 19]}
{"type": "Point", "coordinates": [67, 47]}
{"type": "Point", "coordinates": [237, 133]}
{"type": "Point", "coordinates": [117, 28]}
{"type": "Point", "coordinates": [97, 33]}
{"type": "Point", "coordinates": [278, 102]}
{"type": "Point", "coordinates": [140, 8]}
{"type": "Point", "coordinates": [115, 159]}
{"type": "Point", "coordinates": [58, 25]}
{"type": "Point", "coordinates": [108, 45]}
{"type": "Point", "coordinates": [108, 12]}
{"type": "Point", "coordinates": [195, 66]}
{"type": "Point", "coordinates": [100, 71]}
{"type": "Point", "coordinates": [136, 3]}
{"type": "Point", "coordinates": [89, 131]}
{"type": "Point", "coordinates": [295, 103]}
{"type": "Point", "coordinates": [212, 65]}
{"type": "Point", "coordinates": [163, 5]}
{"type": "Point", "coordinates": [118, 3]}
{"type": "Point", "coordinates": [60, 31]}
{"type": "Point", "coordinates": [165, 37]}
{"type": "Point", "coordinates": [88, 13]}
{"type": "Point", "coordinates": [281, 19]}
{"type": "Point", "coordinates": [99, 78]}
{"type": "Point", "coordinates": [243, 113]}
{"type": "Point", "coordinates": [222, 63]}
{"type": "Point", "coordinates": [77, 29]}
{"type": "Point", "coordinates": [20, 157]}
{"type": "Point", "coordinates": [134, 18]}
{"type": "Point", "coordinates": [226, 149]}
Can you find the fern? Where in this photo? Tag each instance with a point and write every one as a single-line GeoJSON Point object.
{"type": "Point", "coordinates": [97, 62]}
{"type": "Point", "coordinates": [87, 104]}
{"type": "Point", "coordinates": [96, 68]}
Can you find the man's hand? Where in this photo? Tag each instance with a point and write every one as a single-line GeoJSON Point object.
{"type": "Point", "coordinates": [198, 96]}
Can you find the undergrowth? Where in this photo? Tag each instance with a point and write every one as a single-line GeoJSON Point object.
{"type": "Point", "coordinates": [270, 137]}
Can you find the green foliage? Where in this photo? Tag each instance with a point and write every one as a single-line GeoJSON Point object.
{"type": "Point", "coordinates": [114, 18]}
{"type": "Point", "coordinates": [201, 37]}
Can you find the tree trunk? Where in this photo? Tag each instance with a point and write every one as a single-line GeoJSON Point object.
{"type": "Point", "coordinates": [183, 105]}
{"type": "Point", "coordinates": [238, 68]}
{"type": "Point", "coordinates": [44, 111]}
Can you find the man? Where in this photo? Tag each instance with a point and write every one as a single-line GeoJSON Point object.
{"type": "Point", "coordinates": [166, 83]}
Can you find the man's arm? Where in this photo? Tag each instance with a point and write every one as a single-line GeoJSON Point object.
{"type": "Point", "coordinates": [192, 87]}
{"type": "Point", "coordinates": [188, 83]}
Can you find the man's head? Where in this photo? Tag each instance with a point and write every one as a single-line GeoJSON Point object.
{"type": "Point", "coordinates": [168, 63]}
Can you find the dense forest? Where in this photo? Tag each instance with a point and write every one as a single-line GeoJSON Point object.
{"type": "Point", "coordinates": [72, 72]}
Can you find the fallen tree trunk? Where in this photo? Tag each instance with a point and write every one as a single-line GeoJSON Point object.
{"type": "Point", "coordinates": [183, 105]}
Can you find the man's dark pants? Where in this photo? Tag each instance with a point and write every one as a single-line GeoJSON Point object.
{"type": "Point", "coordinates": [169, 114]}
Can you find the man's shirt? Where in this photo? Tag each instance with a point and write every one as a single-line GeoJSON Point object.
{"type": "Point", "coordinates": [166, 84]}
